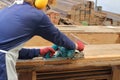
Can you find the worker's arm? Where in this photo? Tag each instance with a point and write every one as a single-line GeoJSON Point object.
{"type": "Point", "coordinates": [26, 53]}
{"type": "Point", "coordinates": [48, 31]}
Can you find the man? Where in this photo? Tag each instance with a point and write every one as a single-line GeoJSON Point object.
{"type": "Point", "coordinates": [19, 23]}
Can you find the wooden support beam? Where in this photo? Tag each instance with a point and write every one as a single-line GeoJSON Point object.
{"type": "Point", "coordinates": [27, 75]}
{"type": "Point", "coordinates": [95, 55]}
{"type": "Point", "coordinates": [116, 73]}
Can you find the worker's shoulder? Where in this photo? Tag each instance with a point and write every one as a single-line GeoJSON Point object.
{"type": "Point", "coordinates": [39, 12]}
{"type": "Point", "coordinates": [32, 10]}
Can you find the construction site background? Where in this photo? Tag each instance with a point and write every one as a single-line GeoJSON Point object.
{"type": "Point", "coordinates": [77, 12]}
{"type": "Point", "coordinates": [99, 29]}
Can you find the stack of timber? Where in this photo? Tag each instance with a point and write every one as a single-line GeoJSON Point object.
{"type": "Point", "coordinates": [79, 11]}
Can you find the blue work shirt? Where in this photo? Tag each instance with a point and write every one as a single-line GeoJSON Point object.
{"type": "Point", "coordinates": [21, 22]}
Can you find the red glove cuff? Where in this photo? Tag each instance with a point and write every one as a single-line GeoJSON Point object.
{"type": "Point", "coordinates": [80, 46]}
{"type": "Point", "coordinates": [46, 50]}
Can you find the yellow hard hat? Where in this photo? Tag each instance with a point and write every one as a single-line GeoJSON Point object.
{"type": "Point", "coordinates": [41, 4]}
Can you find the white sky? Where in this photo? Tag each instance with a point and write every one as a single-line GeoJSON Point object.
{"type": "Point", "coordinates": [110, 5]}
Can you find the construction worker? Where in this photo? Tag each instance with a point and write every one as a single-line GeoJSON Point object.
{"type": "Point", "coordinates": [19, 23]}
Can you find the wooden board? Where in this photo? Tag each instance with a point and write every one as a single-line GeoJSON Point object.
{"type": "Point", "coordinates": [90, 34]}
{"type": "Point", "coordinates": [89, 29]}
{"type": "Point", "coordinates": [102, 51]}
{"type": "Point", "coordinates": [94, 55]}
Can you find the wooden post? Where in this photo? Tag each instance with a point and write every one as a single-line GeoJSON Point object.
{"type": "Point", "coordinates": [34, 75]}
{"type": "Point", "coordinates": [27, 75]}
{"type": "Point", "coordinates": [116, 73]}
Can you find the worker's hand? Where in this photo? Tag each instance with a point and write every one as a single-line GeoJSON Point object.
{"type": "Point", "coordinates": [46, 50]}
{"type": "Point", "coordinates": [79, 46]}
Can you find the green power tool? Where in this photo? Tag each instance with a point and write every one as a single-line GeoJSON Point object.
{"type": "Point", "coordinates": [47, 56]}
{"type": "Point", "coordinates": [63, 53]}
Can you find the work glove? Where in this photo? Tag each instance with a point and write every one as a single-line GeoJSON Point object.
{"type": "Point", "coordinates": [49, 51]}
{"type": "Point", "coordinates": [45, 51]}
{"type": "Point", "coordinates": [79, 46]}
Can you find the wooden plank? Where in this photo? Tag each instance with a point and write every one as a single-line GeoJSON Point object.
{"type": "Point", "coordinates": [89, 29]}
{"type": "Point", "coordinates": [104, 50]}
{"type": "Point", "coordinates": [98, 38]}
{"type": "Point", "coordinates": [84, 69]}
{"type": "Point", "coordinates": [29, 63]}
{"type": "Point", "coordinates": [62, 65]}
{"type": "Point", "coordinates": [95, 55]}
{"type": "Point", "coordinates": [73, 75]}
{"type": "Point", "coordinates": [99, 77]}
{"type": "Point", "coordinates": [82, 73]}
{"type": "Point", "coordinates": [90, 34]}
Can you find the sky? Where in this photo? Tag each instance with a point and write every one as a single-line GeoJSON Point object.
{"type": "Point", "coordinates": [109, 5]}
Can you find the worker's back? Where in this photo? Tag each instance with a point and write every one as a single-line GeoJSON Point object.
{"type": "Point", "coordinates": [20, 22]}
{"type": "Point", "coordinates": [17, 24]}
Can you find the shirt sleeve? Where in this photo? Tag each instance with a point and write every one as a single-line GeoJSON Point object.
{"type": "Point", "coordinates": [49, 32]}
{"type": "Point", "coordinates": [25, 53]}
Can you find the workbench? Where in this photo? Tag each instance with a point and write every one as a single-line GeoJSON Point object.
{"type": "Point", "coordinates": [101, 62]}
